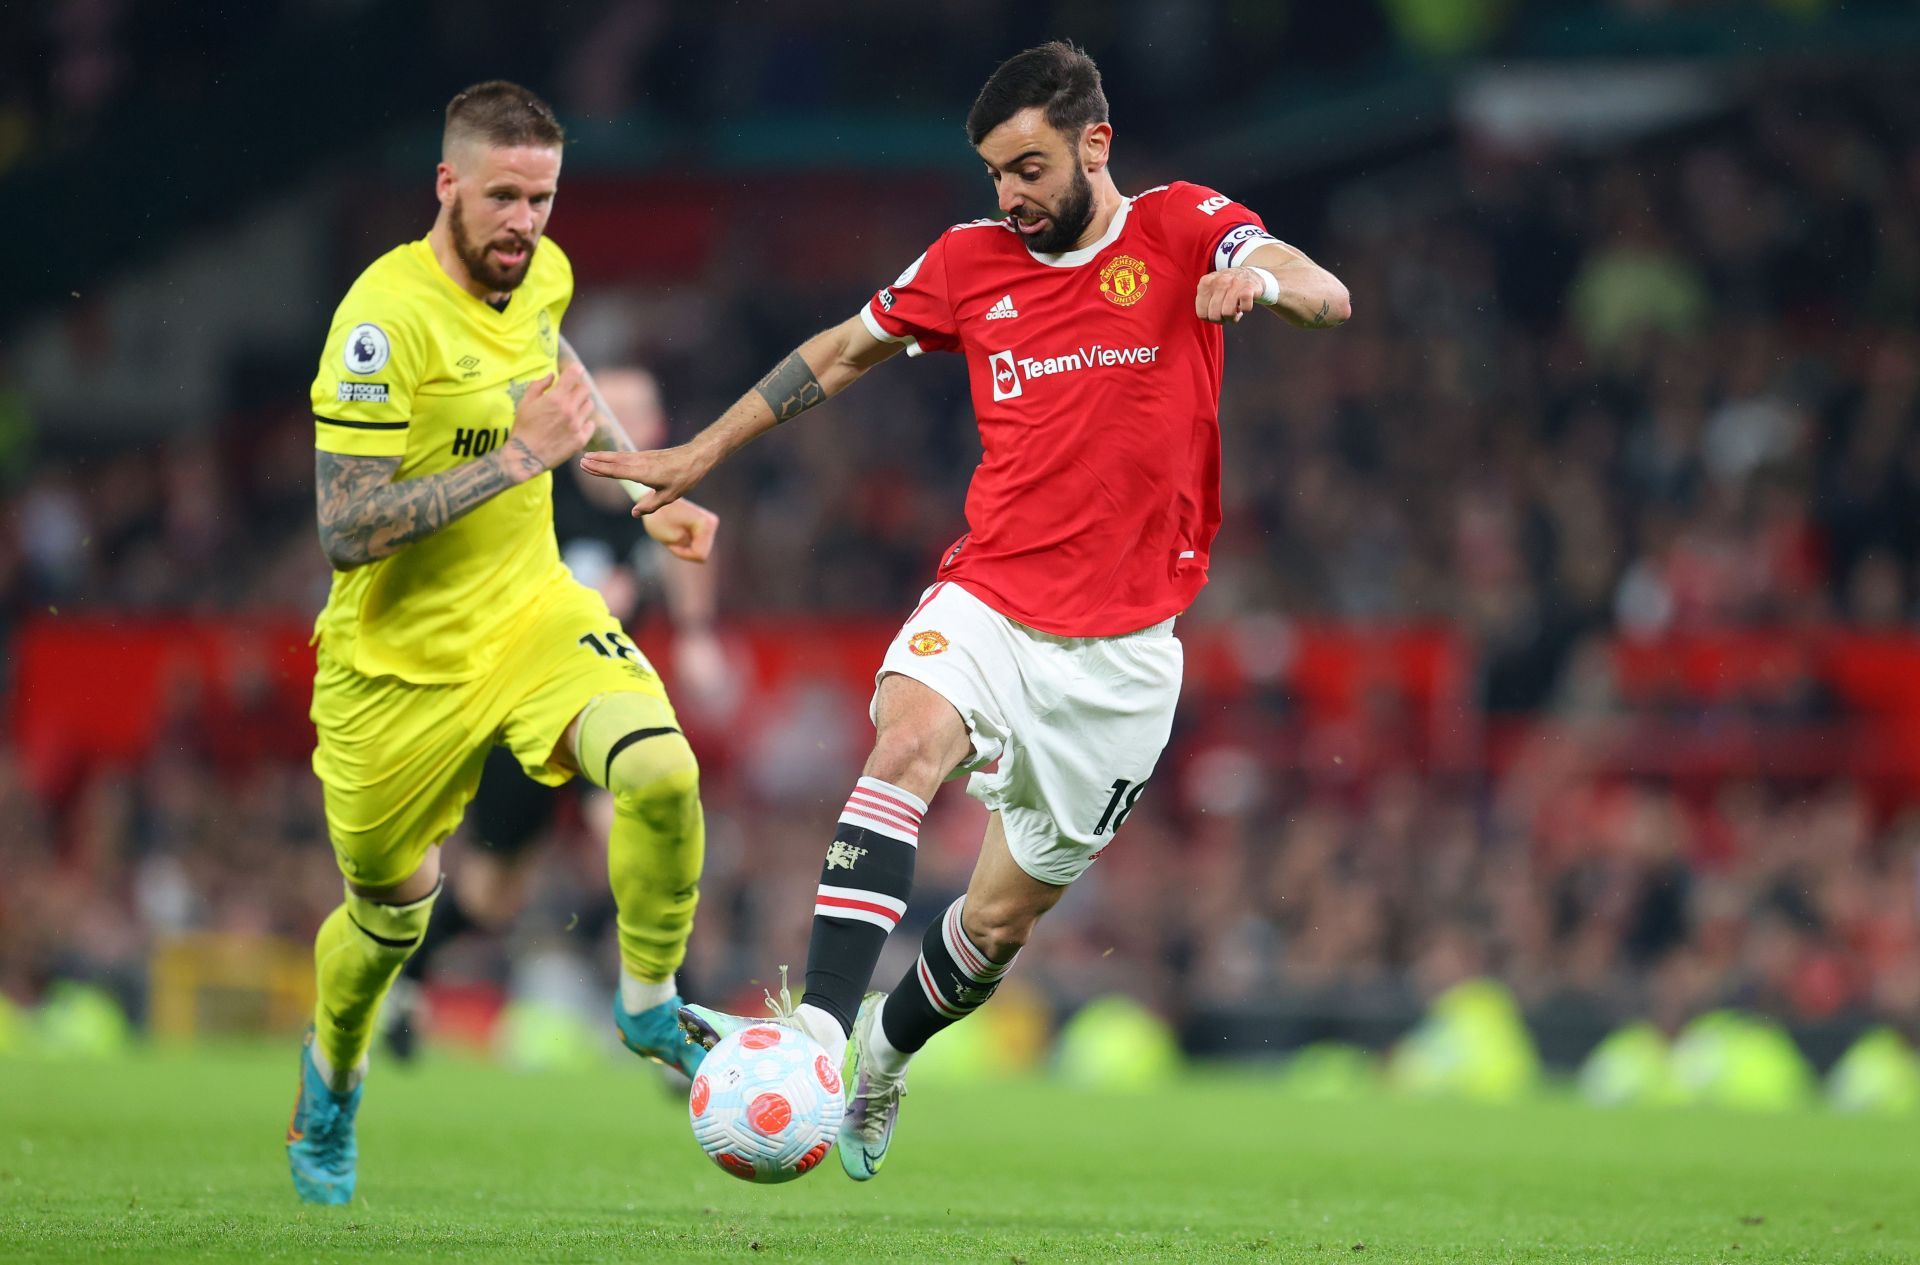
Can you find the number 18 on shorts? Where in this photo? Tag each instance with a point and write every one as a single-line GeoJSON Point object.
{"type": "Point", "coordinates": [1066, 730]}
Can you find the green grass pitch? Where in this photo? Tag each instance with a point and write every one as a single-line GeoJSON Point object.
{"type": "Point", "coordinates": [177, 1156]}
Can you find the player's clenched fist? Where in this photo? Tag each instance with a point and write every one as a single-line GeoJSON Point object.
{"type": "Point", "coordinates": [554, 419]}
{"type": "Point", "coordinates": [687, 532]}
{"type": "Point", "coordinates": [670, 473]}
{"type": "Point", "coordinates": [1227, 295]}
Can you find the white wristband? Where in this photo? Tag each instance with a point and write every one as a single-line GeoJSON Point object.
{"type": "Point", "coordinates": [635, 490]}
{"type": "Point", "coordinates": [1271, 294]}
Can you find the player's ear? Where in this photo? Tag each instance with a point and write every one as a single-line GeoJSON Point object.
{"type": "Point", "coordinates": [444, 180]}
{"type": "Point", "coordinates": [1096, 145]}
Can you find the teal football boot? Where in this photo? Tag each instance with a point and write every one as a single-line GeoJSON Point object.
{"type": "Point", "coordinates": [320, 1148]}
{"type": "Point", "coordinates": [706, 1027]}
{"type": "Point", "coordinates": [656, 1033]}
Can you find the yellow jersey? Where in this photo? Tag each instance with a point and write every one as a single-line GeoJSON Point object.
{"type": "Point", "coordinates": [417, 368]}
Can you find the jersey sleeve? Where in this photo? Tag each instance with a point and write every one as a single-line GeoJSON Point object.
{"type": "Point", "coordinates": [363, 394]}
{"type": "Point", "coordinates": [1211, 228]}
{"type": "Point", "coordinates": [916, 309]}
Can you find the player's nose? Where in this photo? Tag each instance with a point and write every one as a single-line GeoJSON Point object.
{"type": "Point", "coordinates": [1011, 200]}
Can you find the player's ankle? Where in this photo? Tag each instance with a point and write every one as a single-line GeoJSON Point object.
{"type": "Point", "coordinates": [637, 994]}
{"type": "Point", "coordinates": [882, 1056]}
{"type": "Point", "coordinates": [332, 1079]}
{"type": "Point", "coordinates": [823, 1028]}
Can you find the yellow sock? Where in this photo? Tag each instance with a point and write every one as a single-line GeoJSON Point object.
{"type": "Point", "coordinates": [631, 744]}
{"type": "Point", "coordinates": [361, 947]}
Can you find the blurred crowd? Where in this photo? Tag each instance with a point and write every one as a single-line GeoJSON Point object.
{"type": "Point", "coordinates": [1235, 884]}
{"type": "Point", "coordinates": [1674, 385]}
{"type": "Point", "coordinates": [73, 72]}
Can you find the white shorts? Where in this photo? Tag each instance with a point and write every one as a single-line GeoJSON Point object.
{"type": "Point", "coordinates": [1066, 730]}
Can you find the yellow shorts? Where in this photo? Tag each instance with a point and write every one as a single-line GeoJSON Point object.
{"type": "Point", "coordinates": [399, 761]}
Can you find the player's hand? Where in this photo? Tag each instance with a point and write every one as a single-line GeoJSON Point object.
{"type": "Point", "coordinates": [670, 472]}
{"type": "Point", "coordinates": [1227, 295]}
{"type": "Point", "coordinates": [554, 419]}
{"type": "Point", "coordinates": [686, 529]}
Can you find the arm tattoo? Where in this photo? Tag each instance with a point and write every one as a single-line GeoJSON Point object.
{"type": "Point", "coordinates": [1319, 319]}
{"type": "Point", "coordinates": [790, 388]}
{"type": "Point", "coordinates": [364, 514]}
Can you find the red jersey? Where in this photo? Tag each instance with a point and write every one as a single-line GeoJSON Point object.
{"type": "Point", "coordinates": [1097, 391]}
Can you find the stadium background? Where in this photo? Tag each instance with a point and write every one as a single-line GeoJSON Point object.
{"type": "Point", "coordinates": [1560, 629]}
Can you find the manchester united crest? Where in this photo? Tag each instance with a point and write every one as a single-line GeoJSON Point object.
{"type": "Point", "coordinates": [926, 643]}
{"type": "Point", "coordinates": [1124, 280]}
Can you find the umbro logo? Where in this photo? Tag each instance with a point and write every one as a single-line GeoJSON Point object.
{"type": "Point", "coordinates": [1003, 310]}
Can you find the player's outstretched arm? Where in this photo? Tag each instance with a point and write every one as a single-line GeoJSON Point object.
{"type": "Point", "coordinates": [817, 370]}
{"type": "Point", "coordinates": [1303, 293]}
{"type": "Point", "coordinates": [366, 514]}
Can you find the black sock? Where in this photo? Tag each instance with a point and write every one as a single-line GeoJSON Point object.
{"type": "Point", "coordinates": [950, 980]}
{"type": "Point", "coordinates": [447, 922]}
{"type": "Point", "coordinates": [864, 887]}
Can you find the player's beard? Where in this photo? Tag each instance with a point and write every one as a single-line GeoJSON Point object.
{"type": "Point", "coordinates": [477, 257]}
{"type": "Point", "coordinates": [1069, 219]}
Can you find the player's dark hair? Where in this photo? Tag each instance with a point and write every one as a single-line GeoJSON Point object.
{"type": "Point", "coordinates": [503, 115]}
{"type": "Point", "coordinates": [1057, 76]}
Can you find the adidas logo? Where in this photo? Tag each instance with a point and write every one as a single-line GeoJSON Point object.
{"type": "Point", "coordinates": [1003, 310]}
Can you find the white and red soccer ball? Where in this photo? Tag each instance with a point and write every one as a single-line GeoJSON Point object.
{"type": "Point", "coordinates": [766, 1104]}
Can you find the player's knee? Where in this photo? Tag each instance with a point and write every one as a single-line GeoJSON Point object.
{"type": "Point", "coordinates": [396, 928]}
{"type": "Point", "coordinates": [667, 804]}
{"type": "Point", "coordinates": [657, 778]}
{"type": "Point", "coordinates": [908, 756]}
{"type": "Point", "coordinates": [998, 929]}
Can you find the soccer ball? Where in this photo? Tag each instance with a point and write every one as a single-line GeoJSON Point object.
{"type": "Point", "coordinates": [766, 1104]}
